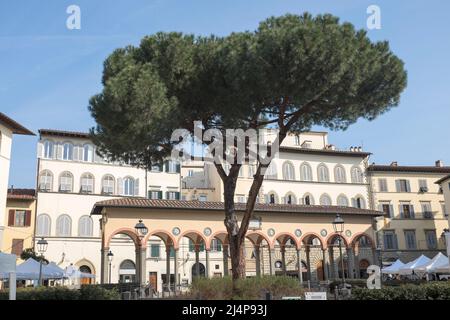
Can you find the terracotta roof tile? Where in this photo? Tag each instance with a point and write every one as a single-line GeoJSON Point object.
{"type": "Point", "coordinates": [325, 152]}
{"type": "Point", "coordinates": [21, 194]}
{"type": "Point", "coordinates": [16, 127]}
{"type": "Point", "coordinates": [417, 169]}
{"type": "Point", "coordinates": [63, 133]}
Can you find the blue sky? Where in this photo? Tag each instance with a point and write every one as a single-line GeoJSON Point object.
{"type": "Point", "coordinates": [48, 73]}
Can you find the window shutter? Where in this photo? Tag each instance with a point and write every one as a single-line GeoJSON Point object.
{"type": "Point", "coordinates": [40, 150]}
{"type": "Point", "coordinates": [385, 240]}
{"type": "Point", "coordinates": [411, 208]}
{"type": "Point", "coordinates": [177, 195]}
{"type": "Point", "coordinates": [76, 153]}
{"type": "Point", "coordinates": [167, 194]}
{"type": "Point", "coordinates": [166, 166]}
{"type": "Point", "coordinates": [11, 217]}
{"type": "Point", "coordinates": [266, 198]}
{"type": "Point", "coordinates": [354, 203]}
{"type": "Point", "coordinates": [397, 185]}
{"type": "Point", "coordinates": [400, 209]}
{"type": "Point", "coordinates": [119, 186]}
{"type": "Point", "coordinates": [391, 211]}
{"type": "Point", "coordinates": [160, 166]}
{"type": "Point", "coordinates": [59, 151]}
{"type": "Point", "coordinates": [160, 194]}
{"type": "Point", "coordinates": [136, 187]}
{"type": "Point", "coordinates": [395, 241]}
{"type": "Point", "coordinates": [27, 218]}
{"type": "Point", "coordinates": [178, 168]}
{"type": "Point", "coordinates": [408, 186]}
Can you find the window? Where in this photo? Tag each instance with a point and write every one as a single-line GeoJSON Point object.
{"type": "Point", "coordinates": [423, 186]}
{"type": "Point", "coordinates": [87, 183]}
{"type": "Point", "coordinates": [155, 194]}
{"type": "Point", "coordinates": [65, 182]}
{"type": "Point", "coordinates": [202, 197]}
{"type": "Point", "coordinates": [192, 246]}
{"type": "Point", "coordinates": [251, 170]}
{"type": "Point", "coordinates": [240, 198]}
{"type": "Point", "coordinates": [359, 202]}
{"type": "Point", "coordinates": [382, 185]}
{"type": "Point", "coordinates": [410, 239]}
{"type": "Point", "coordinates": [308, 200]}
{"type": "Point", "coordinates": [271, 172]}
{"type": "Point", "coordinates": [444, 210]}
{"type": "Point", "coordinates": [339, 174]}
{"type": "Point", "coordinates": [108, 184]}
{"type": "Point", "coordinates": [426, 210]}
{"type": "Point", "coordinates": [63, 226]}
{"type": "Point", "coordinates": [85, 226]}
{"type": "Point", "coordinates": [431, 238]}
{"type": "Point", "coordinates": [43, 225]}
{"type": "Point", "coordinates": [88, 153]}
{"type": "Point", "coordinates": [297, 140]}
{"type": "Point", "coordinates": [241, 172]}
{"type": "Point", "coordinates": [45, 181]}
{"type": "Point", "coordinates": [157, 167]}
{"type": "Point", "coordinates": [357, 175]}
{"type": "Point", "coordinates": [172, 166]}
{"type": "Point", "coordinates": [342, 201]}
{"type": "Point", "coordinates": [325, 200]}
{"type": "Point", "coordinates": [17, 246]}
{"type": "Point", "coordinates": [190, 173]}
{"type": "Point", "coordinates": [406, 211]}
{"type": "Point", "coordinates": [290, 199]}
{"type": "Point", "coordinates": [390, 240]}
{"type": "Point", "coordinates": [305, 172]}
{"type": "Point", "coordinates": [18, 218]}
{"type": "Point", "coordinates": [128, 186]}
{"type": "Point", "coordinates": [216, 245]}
{"type": "Point", "coordinates": [67, 151]}
{"type": "Point", "coordinates": [172, 195]}
{"type": "Point", "coordinates": [403, 185]}
{"type": "Point", "coordinates": [388, 209]}
{"type": "Point", "coordinates": [48, 149]}
{"type": "Point", "coordinates": [155, 250]}
{"type": "Point", "coordinates": [322, 172]}
{"type": "Point", "coordinates": [288, 171]}
{"type": "Point", "coordinates": [272, 198]}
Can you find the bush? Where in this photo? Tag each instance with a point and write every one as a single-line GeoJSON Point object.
{"type": "Point", "coordinates": [355, 283]}
{"type": "Point", "coordinates": [63, 293]}
{"type": "Point", "coordinates": [249, 289]}
{"type": "Point", "coordinates": [429, 291]}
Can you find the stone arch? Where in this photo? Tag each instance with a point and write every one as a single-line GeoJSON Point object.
{"type": "Point", "coordinates": [165, 236]}
{"type": "Point", "coordinates": [332, 236]}
{"type": "Point", "coordinates": [285, 236]}
{"type": "Point", "coordinates": [129, 232]}
{"type": "Point", "coordinates": [195, 236]}
{"type": "Point", "coordinates": [256, 237]}
{"type": "Point", "coordinates": [222, 236]}
{"type": "Point", "coordinates": [356, 237]}
{"type": "Point", "coordinates": [310, 235]}
{"type": "Point", "coordinates": [86, 262]}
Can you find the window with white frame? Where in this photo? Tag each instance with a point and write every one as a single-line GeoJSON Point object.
{"type": "Point", "coordinates": [423, 185]}
{"type": "Point", "coordinates": [339, 174]}
{"type": "Point", "coordinates": [305, 172]}
{"type": "Point", "coordinates": [308, 200]}
{"type": "Point", "coordinates": [202, 197]}
{"type": "Point", "coordinates": [342, 201]}
{"type": "Point", "coordinates": [128, 186]}
{"type": "Point", "coordinates": [288, 171]}
{"type": "Point", "coordinates": [45, 181]}
{"type": "Point", "coordinates": [382, 185]}
{"type": "Point", "coordinates": [272, 198]}
{"type": "Point", "coordinates": [251, 170]}
{"type": "Point", "coordinates": [359, 202]}
{"type": "Point", "coordinates": [172, 166]}
{"type": "Point", "coordinates": [155, 194]}
{"type": "Point", "coordinates": [85, 226]}
{"type": "Point", "coordinates": [290, 199]}
{"type": "Point", "coordinates": [43, 224]}
{"type": "Point", "coordinates": [357, 175]}
{"type": "Point", "coordinates": [390, 240]}
{"type": "Point", "coordinates": [87, 183]}
{"type": "Point", "coordinates": [322, 173]}
{"type": "Point", "coordinates": [297, 140]}
{"type": "Point", "coordinates": [172, 195]}
{"type": "Point", "coordinates": [325, 200]}
{"type": "Point", "coordinates": [271, 172]}
{"type": "Point", "coordinates": [426, 210]}
{"type": "Point", "coordinates": [108, 184]}
{"type": "Point", "coordinates": [387, 208]}
{"type": "Point", "coordinates": [216, 245]}
{"type": "Point", "coordinates": [410, 239]}
{"type": "Point", "coordinates": [63, 226]}
{"type": "Point", "coordinates": [431, 239]}
{"type": "Point", "coordinates": [66, 182]}
{"type": "Point", "coordinates": [67, 151]}
{"type": "Point", "coordinates": [88, 153]}
{"type": "Point", "coordinates": [48, 149]}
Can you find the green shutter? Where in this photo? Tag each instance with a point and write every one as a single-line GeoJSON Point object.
{"type": "Point", "coordinates": [178, 168]}
{"type": "Point", "coordinates": [166, 166]}
{"type": "Point", "coordinates": [191, 245]}
{"type": "Point", "coordinates": [160, 195]}
{"type": "Point", "coordinates": [177, 195]}
{"type": "Point", "coordinates": [154, 251]}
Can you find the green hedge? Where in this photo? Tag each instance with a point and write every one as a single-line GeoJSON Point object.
{"type": "Point", "coordinates": [249, 289]}
{"type": "Point", "coordinates": [429, 291]}
{"type": "Point", "coordinates": [87, 292]}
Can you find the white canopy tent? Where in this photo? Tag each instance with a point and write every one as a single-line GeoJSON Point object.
{"type": "Point", "coordinates": [29, 270]}
{"type": "Point", "coordinates": [438, 261]}
{"type": "Point", "coordinates": [393, 268]}
{"type": "Point", "coordinates": [408, 269]}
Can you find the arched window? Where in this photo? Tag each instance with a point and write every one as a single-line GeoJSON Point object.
{"type": "Point", "coordinates": [43, 225]}
{"type": "Point", "coordinates": [67, 151]}
{"type": "Point", "coordinates": [359, 202]}
{"type": "Point", "coordinates": [108, 184]}
{"type": "Point", "coordinates": [46, 181]}
{"type": "Point", "coordinates": [308, 199]}
{"type": "Point", "coordinates": [63, 226]}
{"type": "Point", "coordinates": [305, 172]}
{"type": "Point", "coordinates": [325, 200]}
{"type": "Point", "coordinates": [342, 201]}
{"type": "Point", "coordinates": [128, 186]}
{"type": "Point", "coordinates": [339, 174]}
{"type": "Point", "coordinates": [88, 153]}
{"type": "Point", "coordinates": [48, 149]}
{"type": "Point", "coordinates": [322, 173]}
{"type": "Point", "coordinates": [290, 199]}
{"type": "Point", "coordinates": [271, 172]}
{"type": "Point", "coordinates": [85, 226]}
{"type": "Point", "coordinates": [66, 182]}
{"type": "Point", "coordinates": [272, 198]}
{"type": "Point", "coordinates": [87, 183]}
{"type": "Point", "coordinates": [357, 175]}
{"type": "Point", "coordinates": [288, 171]}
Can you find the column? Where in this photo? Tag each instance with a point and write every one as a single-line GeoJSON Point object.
{"type": "Point", "coordinates": [325, 264]}
{"type": "Point", "coordinates": [350, 263]}
{"type": "Point", "coordinates": [299, 263]}
{"type": "Point", "coordinates": [225, 259]}
{"type": "Point", "coordinates": [207, 263]}
{"type": "Point", "coordinates": [138, 265]}
{"type": "Point", "coordinates": [258, 260]}
{"type": "Point", "coordinates": [104, 263]}
{"type": "Point", "coordinates": [271, 266]}
{"type": "Point", "coordinates": [332, 264]}
{"type": "Point", "coordinates": [197, 260]}
{"type": "Point", "coordinates": [168, 267]}
{"type": "Point", "coordinates": [283, 258]}
{"type": "Point", "coordinates": [308, 262]}
{"type": "Point", "coordinates": [143, 265]}
{"type": "Point", "coordinates": [175, 269]}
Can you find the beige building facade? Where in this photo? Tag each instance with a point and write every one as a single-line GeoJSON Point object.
{"type": "Point", "coordinates": [414, 207]}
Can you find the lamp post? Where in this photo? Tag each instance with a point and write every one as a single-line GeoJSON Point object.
{"type": "Point", "coordinates": [141, 231]}
{"type": "Point", "coordinates": [110, 258]}
{"type": "Point", "coordinates": [338, 226]}
{"type": "Point", "coordinates": [42, 247]}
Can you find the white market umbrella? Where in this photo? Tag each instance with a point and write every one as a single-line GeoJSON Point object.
{"type": "Point", "coordinates": [393, 268]}
{"type": "Point", "coordinates": [438, 261]}
{"type": "Point", "coordinates": [408, 268]}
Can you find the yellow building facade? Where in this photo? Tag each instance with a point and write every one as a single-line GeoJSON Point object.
{"type": "Point", "coordinates": [414, 207]}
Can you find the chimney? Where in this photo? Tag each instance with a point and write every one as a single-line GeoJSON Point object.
{"type": "Point", "coordinates": [394, 164]}
{"type": "Point", "coordinates": [439, 164]}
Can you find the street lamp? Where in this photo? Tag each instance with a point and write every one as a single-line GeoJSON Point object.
{"type": "Point", "coordinates": [110, 258]}
{"type": "Point", "coordinates": [42, 247]}
{"type": "Point", "coordinates": [338, 226]}
{"type": "Point", "coordinates": [141, 229]}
